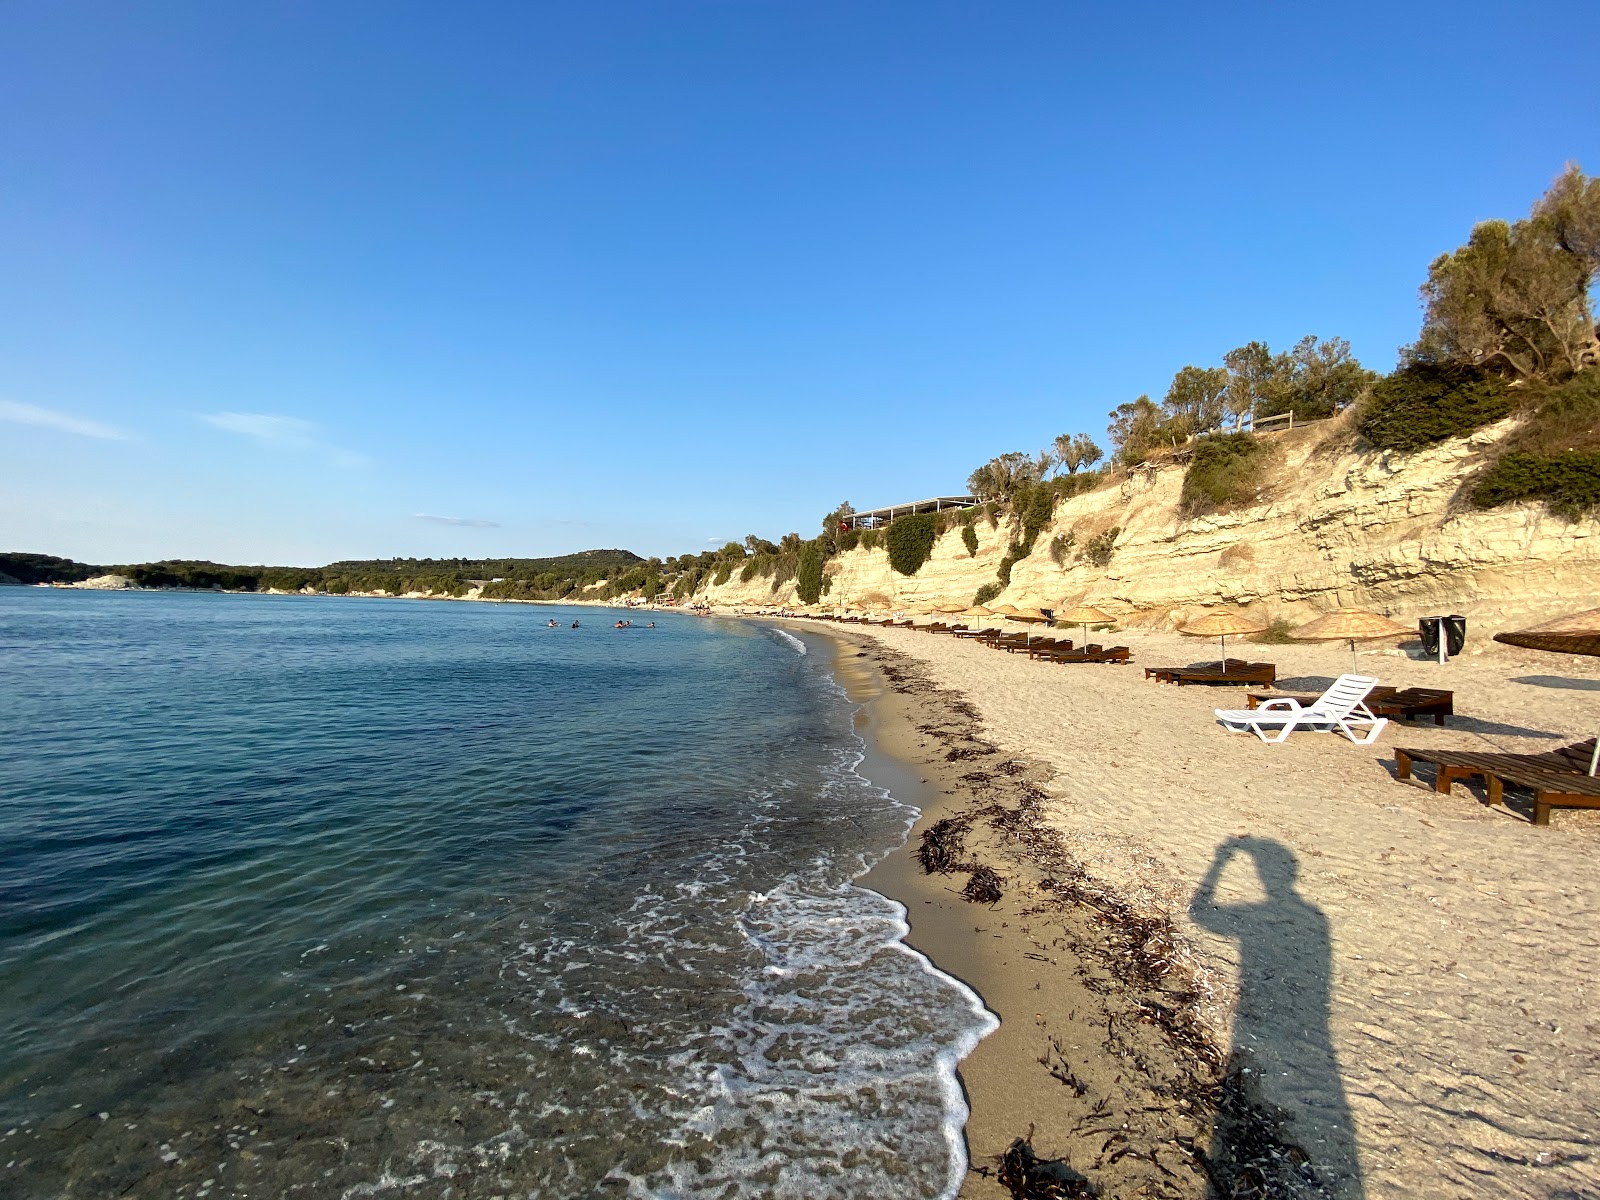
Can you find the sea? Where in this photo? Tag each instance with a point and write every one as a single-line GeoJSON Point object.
{"type": "Point", "coordinates": [337, 897]}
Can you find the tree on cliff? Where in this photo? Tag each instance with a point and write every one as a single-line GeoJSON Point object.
{"type": "Point", "coordinates": [1002, 475]}
{"type": "Point", "coordinates": [1135, 431]}
{"type": "Point", "coordinates": [1194, 401]}
{"type": "Point", "coordinates": [1075, 451]}
{"type": "Point", "coordinates": [1515, 298]}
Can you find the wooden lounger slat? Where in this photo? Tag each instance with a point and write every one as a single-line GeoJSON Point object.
{"type": "Point", "coordinates": [1551, 789]}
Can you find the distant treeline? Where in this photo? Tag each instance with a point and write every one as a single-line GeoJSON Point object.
{"type": "Point", "coordinates": [533, 578]}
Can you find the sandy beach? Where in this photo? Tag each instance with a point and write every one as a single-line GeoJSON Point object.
{"type": "Point", "coordinates": [1394, 982]}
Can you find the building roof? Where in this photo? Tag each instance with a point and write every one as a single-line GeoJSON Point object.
{"type": "Point", "coordinates": [932, 504]}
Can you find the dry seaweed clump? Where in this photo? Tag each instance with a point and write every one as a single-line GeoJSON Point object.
{"type": "Point", "coordinates": [1028, 1177]}
{"type": "Point", "coordinates": [942, 846]}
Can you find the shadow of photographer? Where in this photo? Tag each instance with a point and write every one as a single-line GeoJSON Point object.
{"type": "Point", "coordinates": [1282, 1058]}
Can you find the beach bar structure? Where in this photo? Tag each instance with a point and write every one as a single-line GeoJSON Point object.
{"type": "Point", "coordinates": [876, 518]}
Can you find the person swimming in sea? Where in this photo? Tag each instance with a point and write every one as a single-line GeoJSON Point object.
{"type": "Point", "coordinates": [574, 624]}
{"type": "Point", "coordinates": [552, 622]}
{"type": "Point", "coordinates": [652, 625]}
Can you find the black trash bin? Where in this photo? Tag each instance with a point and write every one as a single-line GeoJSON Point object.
{"type": "Point", "coordinates": [1429, 628]}
{"type": "Point", "coordinates": [1455, 634]}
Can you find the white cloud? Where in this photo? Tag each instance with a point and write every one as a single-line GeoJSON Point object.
{"type": "Point", "coordinates": [45, 418]}
{"type": "Point", "coordinates": [283, 433]}
{"type": "Point", "coordinates": [463, 522]}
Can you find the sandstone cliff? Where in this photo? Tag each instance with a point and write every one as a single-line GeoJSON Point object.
{"type": "Point", "coordinates": [1337, 525]}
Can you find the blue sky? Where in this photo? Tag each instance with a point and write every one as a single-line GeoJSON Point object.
{"type": "Point", "coordinates": [297, 282]}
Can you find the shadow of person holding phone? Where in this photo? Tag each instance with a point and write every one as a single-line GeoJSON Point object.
{"type": "Point", "coordinates": [1282, 1053]}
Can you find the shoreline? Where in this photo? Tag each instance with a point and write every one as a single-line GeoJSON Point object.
{"type": "Point", "coordinates": [1101, 1068]}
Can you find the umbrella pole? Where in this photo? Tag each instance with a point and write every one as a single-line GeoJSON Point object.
{"type": "Point", "coordinates": [1594, 759]}
{"type": "Point", "coordinates": [1355, 667]}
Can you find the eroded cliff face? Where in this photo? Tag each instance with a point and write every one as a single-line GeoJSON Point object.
{"type": "Point", "coordinates": [1337, 526]}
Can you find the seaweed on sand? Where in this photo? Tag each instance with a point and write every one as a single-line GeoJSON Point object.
{"type": "Point", "coordinates": [984, 886]}
{"type": "Point", "coordinates": [942, 845]}
{"type": "Point", "coordinates": [1028, 1177]}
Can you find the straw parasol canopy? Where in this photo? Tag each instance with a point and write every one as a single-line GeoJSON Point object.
{"type": "Point", "coordinates": [1577, 634]}
{"type": "Point", "coordinates": [1030, 616]}
{"type": "Point", "coordinates": [1220, 625]}
{"type": "Point", "coordinates": [977, 611]}
{"type": "Point", "coordinates": [1084, 615]}
{"type": "Point", "coordinates": [1349, 625]}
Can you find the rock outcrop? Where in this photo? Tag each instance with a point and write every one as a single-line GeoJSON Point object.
{"type": "Point", "coordinates": [1337, 525]}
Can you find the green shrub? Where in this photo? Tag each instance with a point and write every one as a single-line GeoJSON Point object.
{"type": "Point", "coordinates": [849, 540]}
{"type": "Point", "coordinates": [750, 569]}
{"type": "Point", "coordinates": [808, 576]}
{"type": "Point", "coordinates": [871, 538]}
{"type": "Point", "coordinates": [1423, 403]}
{"type": "Point", "coordinates": [723, 573]}
{"type": "Point", "coordinates": [1226, 470]}
{"type": "Point", "coordinates": [1097, 550]}
{"type": "Point", "coordinates": [986, 593]}
{"type": "Point", "coordinates": [1067, 486]}
{"type": "Point", "coordinates": [1060, 545]}
{"type": "Point", "coordinates": [1275, 634]}
{"type": "Point", "coordinates": [1569, 483]}
{"type": "Point", "coordinates": [910, 541]}
{"type": "Point", "coordinates": [969, 539]}
{"type": "Point", "coordinates": [1562, 419]}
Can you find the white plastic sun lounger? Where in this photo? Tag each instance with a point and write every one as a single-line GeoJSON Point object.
{"type": "Point", "coordinates": [1339, 709]}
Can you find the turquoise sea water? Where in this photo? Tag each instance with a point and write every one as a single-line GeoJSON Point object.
{"type": "Point", "coordinates": [331, 897]}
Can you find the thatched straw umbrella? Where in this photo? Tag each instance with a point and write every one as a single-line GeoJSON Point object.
{"type": "Point", "coordinates": [1350, 625]}
{"type": "Point", "coordinates": [1030, 616]}
{"type": "Point", "coordinates": [1220, 625]}
{"type": "Point", "coordinates": [977, 612]}
{"type": "Point", "coordinates": [1577, 634]}
{"type": "Point", "coordinates": [1084, 615]}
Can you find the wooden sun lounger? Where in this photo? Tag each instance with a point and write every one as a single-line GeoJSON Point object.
{"type": "Point", "coordinates": [1093, 654]}
{"type": "Point", "coordinates": [1028, 644]}
{"type": "Point", "coordinates": [1235, 672]}
{"type": "Point", "coordinates": [1551, 789]}
{"type": "Point", "coordinates": [1406, 703]}
{"type": "Point", "coordinates": [1045, 647]}
{"type": "Point", "coordinates": [1451, 765]}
